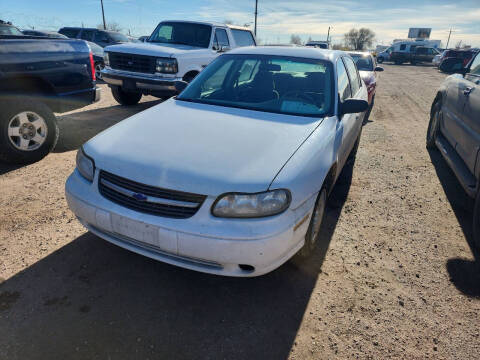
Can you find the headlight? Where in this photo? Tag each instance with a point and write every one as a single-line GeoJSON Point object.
{"type": "Point", "coordinates": [237, 205]}
{"type": "Point", "coordinates": [85, 165]}
{"type": "Point", "coordinates": [106, 59]}
{"type": "Point", "coordinates": [167, 65]}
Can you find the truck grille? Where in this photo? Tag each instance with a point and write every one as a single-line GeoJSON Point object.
{"type": "Point", "coordinates": [131, 62]}
{"type": "Point", "coordinates": [148, 199]}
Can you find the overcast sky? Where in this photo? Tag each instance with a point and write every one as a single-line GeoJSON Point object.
{"type": "Point", "coordinates": [277, 19]}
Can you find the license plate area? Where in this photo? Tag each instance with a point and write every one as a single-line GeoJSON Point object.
{"type": "Point", "coordinates": [135, 229]}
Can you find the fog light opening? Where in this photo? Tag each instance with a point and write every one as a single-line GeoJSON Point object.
{"type": "Point", "coordinates": [248, 268]}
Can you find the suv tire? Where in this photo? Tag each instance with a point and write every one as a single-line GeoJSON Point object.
{"type": "Point", "coordinates": [124, 97]}
{"type": "Point", "coordinates": [433, 125]}
{"type": "Point", "coordinates": [28, 130]}
{"type": "Point", "coordinates": [476, 222]}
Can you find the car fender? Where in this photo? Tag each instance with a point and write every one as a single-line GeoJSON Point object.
{"type": "Point", "coordinates": [305, 172]}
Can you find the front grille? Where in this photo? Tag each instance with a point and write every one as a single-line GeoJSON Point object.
{"type": "Point", "coordinates": [148, 199]}
{"type": "Point", "coordinates": [132, 62]}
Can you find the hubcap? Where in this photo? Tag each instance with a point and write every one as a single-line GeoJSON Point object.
{"type": "Point", "coordinates": [27, 131]}
{"type": "Point", "coordinates": [98, 71]}
{"type": "Point", "coordinates": [318, 216]}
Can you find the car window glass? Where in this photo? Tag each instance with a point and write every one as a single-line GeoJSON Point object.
{"type": "Point", "coordinates": [475, 67]}
{"type": "Point", "coordinates": [343, 82]}
{"type": "Point", "coordinates": [198, 35]}
{"type": "Point", "coordinates": [215, 82]}
{"type": "Point", "coordinates": [353, 73]}
{"type": "Point", "coordinates": [71, 33]}
{"type": "Point", "coordinates": [242, 37]}
{"type": "Point", "coordinates": [101, 36]}
{"type": "Point", "coordinates": [221, 38]}
{"type": "Point", "coordinates": [363, 62]}
{"type": "Point", "coordinates": [248, 70]}
{"type": "Point", "coordinates": [403, 47]}
{"type": "Point", "coordinates": [87, 35]}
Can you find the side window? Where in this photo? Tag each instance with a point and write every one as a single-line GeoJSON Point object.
{"type": "Point", "coordinates": [403, 47]}
{"type": "Point", "coordinates": [243, 37]}
{"type": "Point", "coordinates": [71, 33]}
{"type": "Point", "coordinates": [87, 35]}
{"type": "Point", "coordinates": [343, 83]}
{"type": "Point", "coordinates": [355, 82]}
{"type": "Point", "coordinates": [475, 66]}
{"type": "Point", "coordinates": [101, 36]}
{"type": "Point", "coordinates": [221, 38]}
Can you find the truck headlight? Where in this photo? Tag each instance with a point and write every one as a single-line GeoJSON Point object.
{"type": "Point", "coordinates": [106, 59]}
{"type": "Point", "coordinates": [85, 165]}
{"type": "Point", "coordinates": [167, 65]}
{"type": "Point", "coordinates": [238, 205]}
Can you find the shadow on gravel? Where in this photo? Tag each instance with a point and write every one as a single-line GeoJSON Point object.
{"type": "Point", "coordinates": [91, 299]}
{"type": "Point", "coordinates": [78, 127]}
{"type": "Point", "coordinates": [464, 274]}
{"type": "Point", "coordinates": [6, 168]}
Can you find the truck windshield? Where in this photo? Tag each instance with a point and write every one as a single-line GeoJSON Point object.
{"type": "Point", "coordinates": [277, 84]}
{"type": "Point", "coordinates": [182, 33]}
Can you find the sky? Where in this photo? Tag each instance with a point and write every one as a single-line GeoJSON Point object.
{"type": "Point", "coordinates": [277, 19]}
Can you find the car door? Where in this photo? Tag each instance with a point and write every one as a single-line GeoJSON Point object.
{"type": "Point", "coordinates": [452, 108]}
{"type": "Point", "coordinates": [468, 132]}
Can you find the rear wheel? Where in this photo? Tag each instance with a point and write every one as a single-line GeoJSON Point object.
{"type": "Point", "coordinates": [28, 130]}
{"type": "Point", "coordinates": [99, 66]}
{"type": "Point", "coordinates": [314, 227]}
{"type": "Point", "coordinates": [434, 125]}
{"type": "Point", "coordinates": [476, 222]}
{"type": "Point", "coordinates": [125, 97]}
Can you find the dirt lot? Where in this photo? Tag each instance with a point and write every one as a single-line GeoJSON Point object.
{"type": "Point", "coordinates": [394, 275]}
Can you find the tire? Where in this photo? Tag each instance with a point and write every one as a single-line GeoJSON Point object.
{"type": "Point", "coordinates": [314, 228]}
{"type": "Point", "coordinates": [476, 222]}
{"type": "Point", "coordinates": [380, 60]}
{"type": "Point", "coordinates": [99, 66]}
{"type": "Point", "coordinates": [28, 130]}
{"type": "Point", "coordinates": [433, 125]}
{"type": "Point", "coordinates": [125, 98]}
{"type": "Point", "coordinates": [190, 76]}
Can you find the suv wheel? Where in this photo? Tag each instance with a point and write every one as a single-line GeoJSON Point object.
{"type": "Point", "coordinates": [476, 222]}
{"type": "Point", "coordinates": [99, 66]}
{"type": "Point", "coordinates": [434, 125]}
{"type": "Point", "coordinates": [28, 130]}
{"type": "Point", "coordinates": [124, 97]}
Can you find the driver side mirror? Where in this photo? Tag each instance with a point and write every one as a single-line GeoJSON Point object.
{"type": "Point", "coordinates": [378, 68]}
{"type": "Point", "coordinates": [223, 48]}
{"type": "Point", "coordinates": [353, 106]}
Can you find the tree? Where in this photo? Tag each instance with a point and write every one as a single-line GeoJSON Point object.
{"type": "Point", "coordinates": [295, 39]}
{"type": "Point", "coordinates": [359, 39]}
{"type": "Point", "coordinates": [112, 26]}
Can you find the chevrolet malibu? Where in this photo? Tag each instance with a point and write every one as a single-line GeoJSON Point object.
{"type": "Point", "coordinates": [232, 176]}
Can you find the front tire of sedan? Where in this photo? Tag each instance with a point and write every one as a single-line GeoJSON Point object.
{"type": "Point", "coordinates": [28, 130]}
{"type": "Point", "coordinates": [434, 125]}
{"type": "Point", "coordinates": [124, 97]}
{"type": "Point", "coordinates": [314, 228]}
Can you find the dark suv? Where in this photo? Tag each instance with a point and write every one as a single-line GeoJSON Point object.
{"type": "Point", "coordinates": [99, 37]}
{"type": "Point", "coordinates": [455, 129]}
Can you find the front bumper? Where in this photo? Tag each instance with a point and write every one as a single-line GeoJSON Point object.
{"type": "Point", "coordinates": [202, 243]}
{"type": "Point", "coordinates": [138, 82]}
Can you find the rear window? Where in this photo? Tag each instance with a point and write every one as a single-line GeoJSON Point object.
{"type": "Point", "coordinates": [9, 30]}
{"type": "Point", "coordinates": [243, 37]}
{"type": "Point", "coordinates": [71, 33]}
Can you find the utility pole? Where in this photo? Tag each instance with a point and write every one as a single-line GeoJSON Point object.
{"type": "Point", "coordinates": [256, 7]}
{"type": "Point", "coordinates": [450, 33]}
{"type": "Point", "coordinates": [328, 34]}
{"type": "Point", "coordinates": [103, 15]}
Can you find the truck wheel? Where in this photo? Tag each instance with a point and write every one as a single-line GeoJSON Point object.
{"type": "Point", "coordinates": [99, 66]}
{"type": "Point", "coordinates": [380, 60]}
{"type": "Point", "coordinates": [124, 97]}
{"type": "Point", "coordinates": [314, 228]}
{"type": "Point", "coordinates": [28, 130]}
{"type": "Point", "coordinates": [476, 222]}
{"type": "Point", "coordinates": [190, 76]}
{"type": "Point", "coordinates": [434, 125]}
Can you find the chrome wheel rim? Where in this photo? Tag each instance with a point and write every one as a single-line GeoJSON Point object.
{"type": "Point", "coordinates": [27, 131]}
{"type": "Point", "coordinates": [98, 71]}
{"type": "Point", "coordinates": [317, 218]}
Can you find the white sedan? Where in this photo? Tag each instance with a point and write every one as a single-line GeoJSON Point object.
{"type": "Point", "coordinates": [232, 176]}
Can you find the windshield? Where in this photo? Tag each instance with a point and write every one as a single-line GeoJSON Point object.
{"type": "Point", "coordinates": [9, 30]}
{"type": "Point", "coordinates": [118, 37]}
{"type": "Point", "coordinates": [364, 62]}
{"type": "Point", "coordinates": [278, 84]}
{"type": "Point", "coordinates": [197, 35]}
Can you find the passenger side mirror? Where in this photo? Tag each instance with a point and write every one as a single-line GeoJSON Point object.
{"type": "Point", "coordinates": [180, 86]}
{"type": "Point", "coordinates": [353, 106]}
{"type": "Point", "coordinates": [378, 68]}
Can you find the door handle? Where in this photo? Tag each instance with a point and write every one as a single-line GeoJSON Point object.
{"type": "Point", "coordinates": [467, 91]}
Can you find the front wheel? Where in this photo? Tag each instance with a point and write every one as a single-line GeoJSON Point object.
{"type": "Point", "coordinates": [28, 130]}
{"type": "Point", "coordinates": [434, 125]}
{"type": "Point", "coordinates": [476, 222]}
{"type": "Point", "coordinates": [314, 228]}
{"type": "Point", "coordinates": [125, 97]}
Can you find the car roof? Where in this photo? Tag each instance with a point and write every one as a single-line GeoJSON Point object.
{"type": "Point", "coordinates": [364, 53]}
{"type": "Point", "coordinates": [211, 23]}
{"type": "Point", "coordinates": [300, 51]}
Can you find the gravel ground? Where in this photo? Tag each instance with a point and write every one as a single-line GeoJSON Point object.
{"type": "Point", "coordinates": [394, 275]}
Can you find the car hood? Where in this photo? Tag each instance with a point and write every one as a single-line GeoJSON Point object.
{"type": "Point", "coordinates": [200, 148]}
{"type": "Point", "coordinates": [368, 77]}
{"type": "Point", "coordinates": [153, 49]}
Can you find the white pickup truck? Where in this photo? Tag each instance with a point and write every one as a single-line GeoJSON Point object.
{"type": "Point", "coordinates": [176, 50]}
